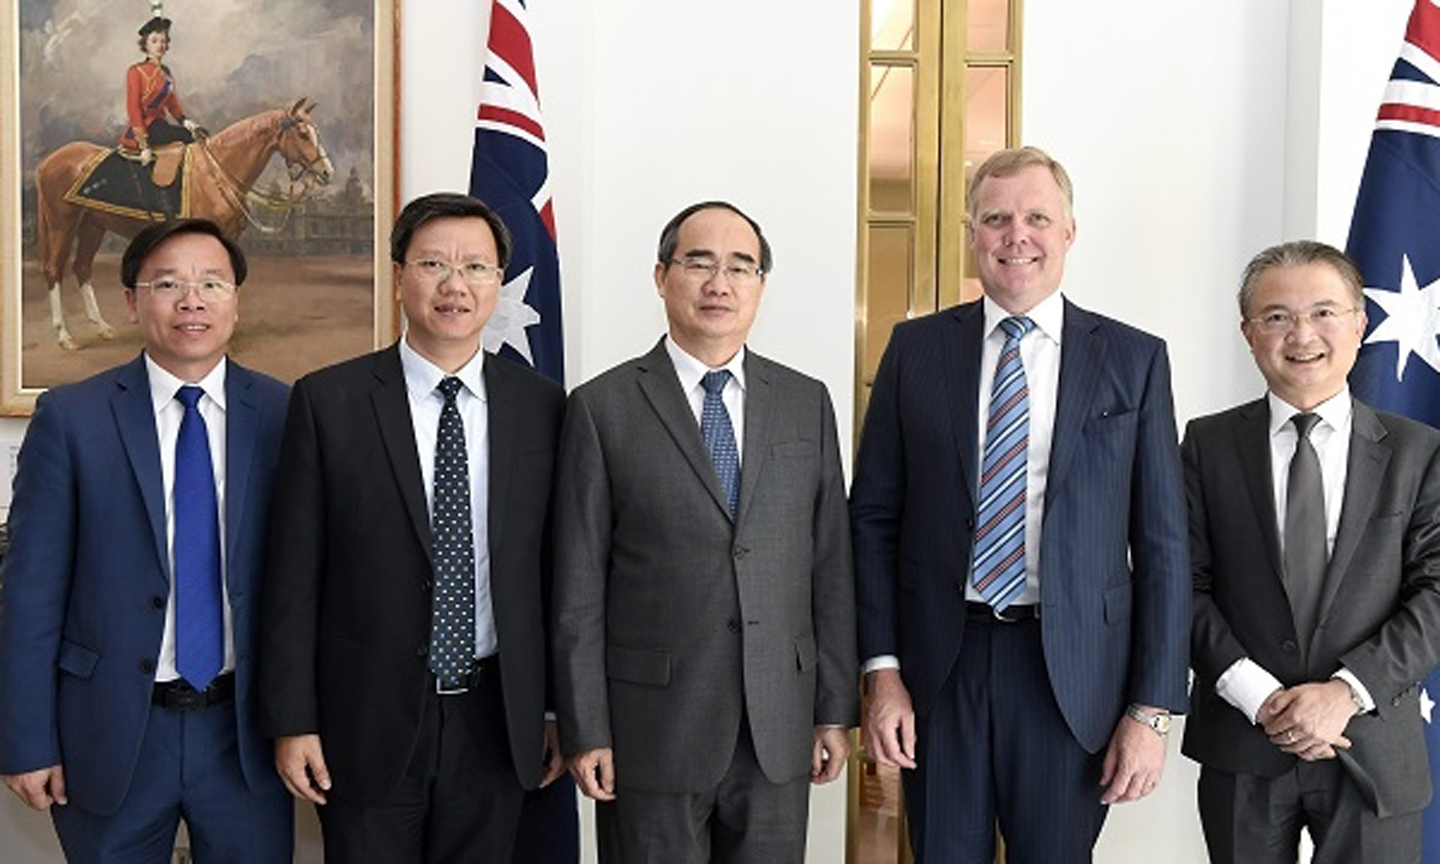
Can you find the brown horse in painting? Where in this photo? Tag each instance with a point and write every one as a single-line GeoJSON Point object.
{"type": "Point", "coordinates": [224, 171]}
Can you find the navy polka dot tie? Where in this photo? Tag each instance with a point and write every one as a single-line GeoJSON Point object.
{"type": "Point", "coordinates": [719, 438]}
{"type": "Point", "coordinates": [452, 620]}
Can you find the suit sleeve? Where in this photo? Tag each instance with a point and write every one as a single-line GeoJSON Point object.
{"type": "Point", "coordinates": [876, 503]}
{"type": "Point", "coordinates": [290, 596]}
{"type": "Point", "coordinates": [833, 594]}
{"type": "Point", "coordinates": [1407, 645]}
{"type": "Point", "coordinates": [1159, 552]}
{"type": "Point", "coordinates": [581, 559]}
{"type": "Point", "coordinates": [36, 576]}
{"type": "Point", "coordinates": [1213, 646]}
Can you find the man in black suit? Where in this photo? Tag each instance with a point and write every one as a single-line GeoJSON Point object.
{"type": "Point", "coordinates": [1315, 535]}
{"type": "Point", "coordinates": [403, 658]}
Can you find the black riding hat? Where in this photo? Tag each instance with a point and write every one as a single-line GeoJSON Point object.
{"type": "Point", "coordinates": [155, 25]}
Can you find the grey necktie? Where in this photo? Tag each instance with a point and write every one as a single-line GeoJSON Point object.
{"type": "Point", "coordinates": [1305, 552]}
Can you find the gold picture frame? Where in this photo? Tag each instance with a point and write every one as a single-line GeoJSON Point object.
{"type": "Point", "coordinates": [320, 287]}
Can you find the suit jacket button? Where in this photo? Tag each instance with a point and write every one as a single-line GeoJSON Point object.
{"type": "Point", "coordinates": [425, 586]}
{"type": "Point", "coordinates": [157, 601]}
{"type": "Point", "coordinates": [733, 625]}
{"type": "Point", "coordinates": [1289, 646]}
{"type": "Point", "coordinates": [422, 650]}
{"type": "Point", "coordinates": [147, 666]}
{"type": "Point", "coordinates": [740, 552]}
{"type": "Point", "coordinates": [969, 522]}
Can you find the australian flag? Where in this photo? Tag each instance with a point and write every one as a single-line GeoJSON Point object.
{"type": "Point", "coordinates": [1395, 238]}
{"type": "Point", "coordinates": [510, 172]}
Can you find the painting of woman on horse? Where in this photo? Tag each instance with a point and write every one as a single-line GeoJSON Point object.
{"type": "Point", "coordinates": [264, 175]}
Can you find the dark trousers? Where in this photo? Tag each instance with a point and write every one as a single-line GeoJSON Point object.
{"type": "Point", "coordinates": [746, 819]}
{"type": "Point", "coordinates": [458, 803]}
{"type": "Point", "coordinates": [995, 747]}
{"type": "Point", "coordinates": [189, 768]}
{"type": "Point", "coordinates": [549, 825]}
{"type": "Point", "coordinates": [1257, 820]}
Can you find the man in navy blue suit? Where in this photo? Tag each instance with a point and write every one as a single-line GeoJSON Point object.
{"type": "Point", "coordinates": [137, 532]}
{"type": "Point", "coordinates": [1022, 577]}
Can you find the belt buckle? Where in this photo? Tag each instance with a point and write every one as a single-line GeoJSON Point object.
{"type": "Point", "coordinates": [1001, 615]}
{"type": "Point", "coordinates": [186, 699]}
{"type": "Point", "coordinates": [442, 690]}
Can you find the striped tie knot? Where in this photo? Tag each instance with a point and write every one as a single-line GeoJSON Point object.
{"type": "Point", "coordinates": [1016, 327]}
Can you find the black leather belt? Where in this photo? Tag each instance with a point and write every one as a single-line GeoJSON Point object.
{"type": "Point", "coordinates": [485, 669]}
{"type": "Point", "coordinates": [1012, 614]}
{"type": "Point", "coordinates": [180, 696]}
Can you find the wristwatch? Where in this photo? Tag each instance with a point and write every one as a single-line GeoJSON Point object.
{"type": "Point", "coordinates": [1159, 722]}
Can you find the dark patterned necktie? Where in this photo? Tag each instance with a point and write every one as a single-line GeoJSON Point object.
{"type": "Point", "coordinates": [1305, 552]}
{"type": "Point", "coordinates": [199, 614]}
{"type": "Point", "coordinates": [719, 438]}
{"type": "Point", "coordinates": [452, 619]}
{"type": "Point", "coordinates": [999, 566]}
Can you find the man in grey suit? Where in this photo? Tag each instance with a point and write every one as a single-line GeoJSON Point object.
{"type": "Point", "coordinates": [1315, 537]}
{"type": "Point", "coordinates": [704, 610]}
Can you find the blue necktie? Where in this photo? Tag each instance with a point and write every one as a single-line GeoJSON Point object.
{"type": "Point", "coordinates": [999, 564]}
{"type": "Point", "coordinates": [452, 616]}
{"type": "Point", "coordinates": [719, 438]}
{"type": "Point", "coordinates": [199, 619]}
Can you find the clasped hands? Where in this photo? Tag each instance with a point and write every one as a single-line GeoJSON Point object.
{"type": "Point", "coordinates": [1308, 720]}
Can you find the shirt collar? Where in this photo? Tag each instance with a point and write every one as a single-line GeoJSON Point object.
{"type": "Point", "coordinates": [1334, 412]}
{"type": "Point", "coordinates": [164, 385]}
{"type": "Point", "coordinates": [1048, 315]}
{"type": "Point", "coordinates": [422, 376]}
{"type": "Point", "coordinates": [690, 370]}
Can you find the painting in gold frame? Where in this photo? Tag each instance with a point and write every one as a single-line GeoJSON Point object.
{"type": "Point", "coordinates": [319, 289]}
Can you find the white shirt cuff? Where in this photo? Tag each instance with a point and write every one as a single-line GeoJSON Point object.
{"type": "Point", "coordinates": [1246, 685]}
{"type": "Point", "coordinates": [880, 661]}
{"type": "Point", "coordinates": [1366, 703]}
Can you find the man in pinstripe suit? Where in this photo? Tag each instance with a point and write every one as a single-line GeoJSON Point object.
{"type": "Point", "coordinates": [1021, 665]}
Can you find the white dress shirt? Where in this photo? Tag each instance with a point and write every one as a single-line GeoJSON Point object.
{"type": "Point", "coordinates": [168, 414]}
{"type": "Point", "coordinates": [422, 382]}
{"type": "Point", "coordinates": [1040, 355]}
{"type": "Point", "coordinates": [691, 371]}
{"type": "Point", "coordinates": [1246, 684]}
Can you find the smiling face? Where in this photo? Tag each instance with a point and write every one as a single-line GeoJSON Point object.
{"type": "Point", "coordinates": [710, 315]}
{"type": "Point", "coordinates": [445, 318]}
{"type": "Point", "coordinates": [1020, 232]}
{"type": "Point", "coordinates": [185, 335]}
{"type": "Point", "coordinates": [1307, 363]}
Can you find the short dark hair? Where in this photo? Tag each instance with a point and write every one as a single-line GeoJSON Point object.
{"type": "Point", "coordinates": [670, 234]}
{"type": "Point", "coordinates": [148, 239]}
{"type": "Point", "coordinates": [439, 205]}
{"type": "Point", "coordinates": [1299, 253]}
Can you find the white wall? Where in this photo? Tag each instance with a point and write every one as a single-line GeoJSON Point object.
{"type": "Point", "coordinates": [1195, 137]}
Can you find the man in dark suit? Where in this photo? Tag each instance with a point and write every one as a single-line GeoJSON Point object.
{"type": "Point", "coordinates": [1020, 557]}
{"type": "Point", "coordinates": [1315, 535]}
{"type": "Point", "coordinates": [704, 611]}
{"type": "Point", "coordinates": [403, 661]}
{"type": "Point", "coordinates": [137, 535]}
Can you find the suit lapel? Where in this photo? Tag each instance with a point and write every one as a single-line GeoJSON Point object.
{"type": "Point", "coordinates": [758, 411]}
{"type": "Point", "coordinates": [135, 421]}
{"type": "Point", "coordinates": [1252, 444]}
{"type": "Point", "coordinates": [1082, 356]}
{"type": "Point", "coordinates": [242, 418]}
{"type": "Point", "coordinates": [502, 444]}
{"type": "Point", "coordinates": [962, 354]}
{"type": "Point", "coordinates": [662, 390]}
{"type": "Point", "coordinates": [392, 414]}
{"type": "Point", "coordinates": [1365, 469]}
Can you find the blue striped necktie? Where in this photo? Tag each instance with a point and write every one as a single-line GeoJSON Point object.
{"type": "Point", "coordinates": [999, 562]}
{"type": "Point", "coordinates": [719, 438]}
{"type": "Point", "coordinates": [199, 615]}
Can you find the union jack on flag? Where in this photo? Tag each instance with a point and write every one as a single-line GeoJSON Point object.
{"type": "Point", "coordinates": [510, 171]}
{"type": "Point", "coordinates": [1395, 238]}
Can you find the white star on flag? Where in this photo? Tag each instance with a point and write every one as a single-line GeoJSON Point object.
{"type": "Point", "coordinates": [1426, 704]}
{"type": "Point", "coordinates": [512, 315]}
{"type": "Point", "coordinates": [1412, 319]}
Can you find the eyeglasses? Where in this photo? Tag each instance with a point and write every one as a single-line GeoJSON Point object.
{"type": "Point", "coordinates": [472, 273]}
{"type": "Point", "coordinates": [1324, 319]}
{"type": "Point", "coordinates": [207, 289]}
{"type": "Point", "coordinates": [701, 269]}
